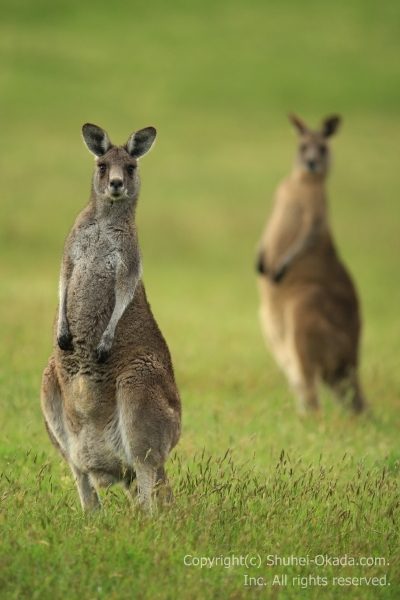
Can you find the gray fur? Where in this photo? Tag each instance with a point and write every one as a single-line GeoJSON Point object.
{"type": "Point", "coordinates": [109, 396]}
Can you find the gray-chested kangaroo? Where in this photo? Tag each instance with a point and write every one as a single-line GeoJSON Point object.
{"type": "Point", "coordinates": [109, 398]}
{"type": "Point", "coordinates": [309, 307]}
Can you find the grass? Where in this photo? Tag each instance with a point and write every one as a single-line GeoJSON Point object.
{"type": "Point", "coordinates": [221, 510]}
{"type": "Point", "coordinates": [216, 79]}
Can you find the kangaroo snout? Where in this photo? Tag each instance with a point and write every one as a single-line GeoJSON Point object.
{"type": "Point", "coordinates": [312, 165]}
{"type": "Point", "coordinates": [116, 186]}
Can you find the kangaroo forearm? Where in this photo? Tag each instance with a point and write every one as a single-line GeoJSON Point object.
{"type": "Point", "coordinates": [123, 297]}
{"type": "Point", "coordinates": [64, 338]}
{"type": "Point", "coordinates": [295, 251]}
{"type": "Point", "coordinates": [124, 293]}
{"type": "Point", "coordinates": [62, 317]}
{"type": "Point", "coordinates": [261, 263]}
{"type": "Point", "coordinates": [63, 291]}
{"type": "Point", "coordinates": [302, 244]}
{"type": "Point", "coordinates": [125, 287]}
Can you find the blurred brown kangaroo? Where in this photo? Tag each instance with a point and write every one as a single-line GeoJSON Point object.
{"type": "Point", "coordinates": [309, 308]}
{"type": "Point", "coordinates": [109, 398]}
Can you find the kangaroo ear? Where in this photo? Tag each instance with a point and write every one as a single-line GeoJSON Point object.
{"type": "Point", "coordinates": [96, 139]}
{"type": "Point", "coordinates": [298, 123]}
{"type": "Point", "coordinates": [141, 141]}
{"type": "Point", "coordinates": [330, 125]}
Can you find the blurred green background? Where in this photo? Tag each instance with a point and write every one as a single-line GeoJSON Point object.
{"type": "Point", "coordinates": [217, 79]}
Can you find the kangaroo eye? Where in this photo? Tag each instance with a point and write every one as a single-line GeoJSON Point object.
{"type": "Point", "coordinates": [131, 169]}
{"type": "Point", "coordinates": [303, 148]}
{"type": "Point", "coordinates": [322, 150]}
{"type": "Point", "coordinates": [102, 169]}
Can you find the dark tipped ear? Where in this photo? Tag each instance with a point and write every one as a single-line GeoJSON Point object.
{"type": "Point", "coordinates": [141, 141]}
{"type": "Point", "coordinates": [96, 139]}
{"type": "Point", "coordinates": [298, 123]}
{"type": "Point", "coordinates": [330, 125]}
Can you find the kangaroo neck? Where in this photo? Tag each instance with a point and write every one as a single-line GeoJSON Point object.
{"type": "Point", "coordinates": [306, 190]}
{"type": "Point", "coordinates": [113, 211]}
{"type": "Point", "coordinates": [304, 177]}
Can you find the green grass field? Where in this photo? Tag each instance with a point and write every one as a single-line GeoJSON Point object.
{"type": "Point", "coordinates": [250, 478]}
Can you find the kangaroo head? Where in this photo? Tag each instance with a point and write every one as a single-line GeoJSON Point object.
{"type": "Point", "coordinates": [313, 154]}
{"type": "Point", "coordinates": [116, 174]}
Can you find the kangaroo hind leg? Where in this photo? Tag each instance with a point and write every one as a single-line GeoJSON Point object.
{"type": "Point", "coordinates": [346, 386]}
{"type": "Point", "coordinates": [52, 408]}
{"type": "Point", "coordinates": [145, 433]}
{"type": "Point", "coordinates": [87, 492]}
{"type": "Point", "coordinates": [301, 371]}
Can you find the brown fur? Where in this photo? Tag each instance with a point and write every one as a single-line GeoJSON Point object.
{"type": "Point", "coordinates": [309, 307]}
{"type": "Point", "coordinates": [109, 397]}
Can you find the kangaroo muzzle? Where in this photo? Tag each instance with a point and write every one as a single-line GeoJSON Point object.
{"type": "Point", "coordinates": [116, 182]}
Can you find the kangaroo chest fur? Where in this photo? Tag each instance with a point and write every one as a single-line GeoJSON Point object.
{"type": "Point", "coordinates": [96, 250]}
{"type": "Point", "coordinates": [295, 204]}
{"type": "Point", "coordinates": [96, 253]}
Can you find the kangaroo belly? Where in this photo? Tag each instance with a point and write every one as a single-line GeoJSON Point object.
{"type": "Point", "coordinates": [100, 452]}
{"type": "Point", "coordinates": [92, 421]}
{"type": "Point", "coordinates": [316, 293]}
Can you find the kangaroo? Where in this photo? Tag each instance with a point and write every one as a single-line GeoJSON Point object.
{"type": "Point", "coordinates": [108, 395]}
{"type": "Point", "coordinates": [309, 307]}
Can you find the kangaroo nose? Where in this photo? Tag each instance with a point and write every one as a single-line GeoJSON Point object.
{"type": "Point", "coordinates": [312, 164]}
{"type": "Point", "coordinates": [116, 183]}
